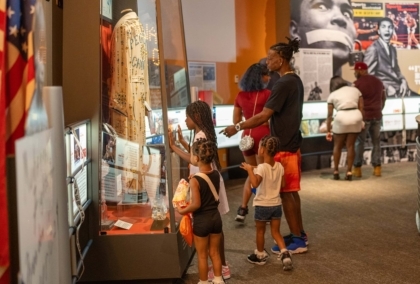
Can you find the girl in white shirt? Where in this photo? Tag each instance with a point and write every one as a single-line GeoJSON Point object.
{"type": "Point", "coordinates": [267, 177]}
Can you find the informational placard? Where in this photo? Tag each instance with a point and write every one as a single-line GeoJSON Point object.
{"type": "Point", "coordinates": [123, 225]}
{"type": "Point", "coordinates": [78, 151]}
{"type": "Point", "coordinates": [224, 115]}
{"type": "Point", "coordinates": [127, 154]}
{"type": "Point", "coordinates": [37, 210]}
{"type": "Point", "coordinates": [315, 110]}
{"type": "Point", "coordinates": [410, 121]}
{"type": "Point", "coordinates": [106, 9]}
{"type": "Point", "coordinates": [202, 75]}
{"type": "Point", "coordinates": [314, 66]}
{"type": "Point", "coordinates": [392, 107]}
{"type": "Point", "coordinates": [392, 122]}
{"type": "Point", "coordinates": [412, 105]}
{"type": "Point", "coordinates": [111, 178]}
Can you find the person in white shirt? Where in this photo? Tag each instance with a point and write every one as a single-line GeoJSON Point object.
{"type": "Point", "coordinates": [267, 177]}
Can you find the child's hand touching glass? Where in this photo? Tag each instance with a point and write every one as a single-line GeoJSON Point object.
{"type": "Point", "coordinates": [171, 139]}
{"type": "Point", "coordinates": [180, 136]}
{"type": "Point", "coordinates": [247, 167]}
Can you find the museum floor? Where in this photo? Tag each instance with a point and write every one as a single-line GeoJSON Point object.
{"type": "Point", "coordinates": [363, 231]}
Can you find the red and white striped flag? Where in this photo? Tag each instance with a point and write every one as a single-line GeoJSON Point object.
{"type": "Point", "coordinates": [17, 85]}
{"type": "Point", "coordinates": [4, 232]}
{"type": "Point", "coordinates": [20, 70]}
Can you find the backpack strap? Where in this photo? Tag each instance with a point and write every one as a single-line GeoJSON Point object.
{"type": "Point", "coordinates": [213, 189]}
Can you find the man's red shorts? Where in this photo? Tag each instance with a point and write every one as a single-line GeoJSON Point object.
{"type": "Point", "coordinates": [291, 163]}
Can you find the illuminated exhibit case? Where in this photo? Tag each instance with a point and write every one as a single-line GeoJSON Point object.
{"type": "Point", "coordinates": [133, 87]}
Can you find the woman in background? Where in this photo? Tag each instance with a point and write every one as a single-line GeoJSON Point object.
{"type": "Point", "coordinates": [249, 102]}
{"type": "Point", "coordinates": [348, 121]}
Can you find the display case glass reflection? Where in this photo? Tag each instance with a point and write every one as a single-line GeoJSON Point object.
{"type": "Point", "coordinates": [134, 191]}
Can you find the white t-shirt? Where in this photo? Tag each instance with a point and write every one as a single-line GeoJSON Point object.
{"type": "Point", "coordinates": [268, 192]}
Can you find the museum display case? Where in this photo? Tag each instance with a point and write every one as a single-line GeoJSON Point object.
{"type": "Point", "coordinates": [130, 79]}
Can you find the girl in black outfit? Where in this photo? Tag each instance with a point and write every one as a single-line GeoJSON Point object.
{"type": "Point", "coordinates": [207, 225]}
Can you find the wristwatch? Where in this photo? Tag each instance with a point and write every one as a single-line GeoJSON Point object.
{"type": "Point", "coordinates": [238, 126]}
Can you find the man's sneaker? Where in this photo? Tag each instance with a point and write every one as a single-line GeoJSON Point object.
{"type": "Point", "coordinates": [288, 238]}
{"type": "Point", "coordinates": [275, 249]}
{"type": "Point", "coordinates": [242, 212]}
{"type": "Point", "coordinates": [225, 272]}
{"type": "Point", "coordinates": [253, 258]}
{"type": "Point", "coordinates": [297, 245]}
{"type": "Point", "coordinates": [286, 259]}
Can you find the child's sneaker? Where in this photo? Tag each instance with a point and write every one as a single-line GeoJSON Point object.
{"type": "Point", "coordinates": [297, 245]}
{"type": "Point", "coordinates": [253, 258]}
{"type": "Point", "coordinates": [225, 272]}
{"type": "Point", "coordinates": [242, 212]}
{"type": "Point", "coordinates": [218, 282]}
{"type": "Point", "coordinates": [286, 259]}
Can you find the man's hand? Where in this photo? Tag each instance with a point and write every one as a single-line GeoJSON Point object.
{"type": "Point", "coordinates": [403, 88]}
{"type": "Point", "coordinates": [229, 131]}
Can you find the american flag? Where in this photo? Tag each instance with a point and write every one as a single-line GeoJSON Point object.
{"type": "Point", "coordinates": [20, 70]}
{"type": "Point", "coordinates": [4, 240]}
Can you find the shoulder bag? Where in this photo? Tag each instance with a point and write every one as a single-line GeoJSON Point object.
{"type": "Point", "coordinates": [247, 142]}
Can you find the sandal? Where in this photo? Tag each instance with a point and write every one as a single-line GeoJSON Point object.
{"type": "Point", "coordinates": [349, 176]}
{"type": "Point", "coordinates": [336, 175]}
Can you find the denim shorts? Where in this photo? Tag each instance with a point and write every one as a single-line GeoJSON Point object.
{"type": "Point", "coordinates": [267, 213]}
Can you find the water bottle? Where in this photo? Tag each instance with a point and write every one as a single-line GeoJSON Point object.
{"type": "Point", "coordinates": [158, 208]}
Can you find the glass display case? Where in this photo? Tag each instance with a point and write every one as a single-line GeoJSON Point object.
{"type": "Point", "coordinates": [398, 114]}
{"type": "Point", "coordinates": [133, 87]}
{"type": "Point", "coordinates": [137, 60]}
{"type": "Point", "coordinates": [397, 140]}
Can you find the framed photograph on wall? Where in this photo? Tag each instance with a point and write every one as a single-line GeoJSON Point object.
{"type": "Point", "coordinates": [106, 9]}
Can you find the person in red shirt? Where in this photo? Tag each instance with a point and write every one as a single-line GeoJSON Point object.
{"type": "Point", "coordinates": [249, 102]}
{"type": "Point", "coordinates": [373, 93]}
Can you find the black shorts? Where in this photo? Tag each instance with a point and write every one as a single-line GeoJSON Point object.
{"type": "Point", "coordinates": [207, 223]}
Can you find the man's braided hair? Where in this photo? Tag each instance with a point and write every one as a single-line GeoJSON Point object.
{"type": "Point", "coordinates": [286, 50]}
{"type": "Point", "coordinates": [201, 114]}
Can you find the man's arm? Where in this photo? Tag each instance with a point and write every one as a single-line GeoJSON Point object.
{"type": "Point", "coordinates": [383, 99]}
{"type": "Point", "coordinates": [361, 106]}
{"type": "Point", "coordinates": [253, 122]}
